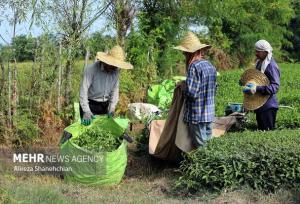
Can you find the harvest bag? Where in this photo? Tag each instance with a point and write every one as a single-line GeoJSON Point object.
{"type": "Point", "coordinates": [91, 167]}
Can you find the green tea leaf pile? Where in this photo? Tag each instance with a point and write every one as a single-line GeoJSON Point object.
{"type": "Point", "coordinates": [98, 139]}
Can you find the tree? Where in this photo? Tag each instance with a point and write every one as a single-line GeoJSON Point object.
{"type": "Point", "coordinates": [23, 47]}
{"type": "Point", "coordinates": [71, 19]}
{"type": "Point", "coordinates": [99, 42]}
{"type": "Point", "coordinates": [161, 21]}
{"type": "Point", "coordinates": [15, 12]}
{"type": "Point", "coordinates": [235, 25]}
{"type": "Point", "coordinates": [294, 27]}
{"type": "Point", "coordinates": [122, 13]}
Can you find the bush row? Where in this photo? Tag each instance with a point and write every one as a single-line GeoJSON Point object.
{"type": "Point", "coordinates": [261, 160]}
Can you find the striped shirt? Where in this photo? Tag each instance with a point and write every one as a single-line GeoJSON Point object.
{"type": "Point", "coordinates": [200, 92]}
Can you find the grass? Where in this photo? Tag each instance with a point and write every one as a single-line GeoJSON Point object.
{"type": "Point", "coordinates": [154, 189]}
{"type": "Point", "coordinates": [148, 181]}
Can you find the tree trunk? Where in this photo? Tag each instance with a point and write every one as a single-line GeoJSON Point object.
{"type": "Point", "coordinates": [41, 76]}
{"type": "Point", "coordinates": [14, 89]}
{"type": "Point", "coordinates": [34, 80]}
{"type": "Point", "coordinates": [59, 78]}
{"type": "Point", "coordinates": [68, 77]}
{"type": "Point", "coordinates": [41, 68]}
{"type": "Point", "coordinates": [121, 35]}
{"type": "Point", "coordinates": [68, 82]}
{"type": "Point", "coordinates": [3, 79]}
{"type": "Point", "coordinates": [87, 57]}
{"type": "Point", "coordinates": [124, 12]}
{"type": "Point", "coordinates": [2, 95]}
{"type": "Point", "coordinates": [15, 74]}
{"type": "Point", "coordinates": [9, 123]}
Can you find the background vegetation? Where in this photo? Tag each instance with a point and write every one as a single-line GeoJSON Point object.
{"type": "Point", "coordinates": [41, 91]}
{"type": "Point", "coordinates": [40, 78]}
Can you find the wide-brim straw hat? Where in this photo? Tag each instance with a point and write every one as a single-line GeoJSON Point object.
{"type": "Point", "coordinates": [254, 101]}
{"type": "Point", "coordinates": [114, 57]}
{"type": "Point", "coordinates": [191, 43]}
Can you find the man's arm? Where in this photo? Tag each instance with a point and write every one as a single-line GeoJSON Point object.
{"type": "Point", "coordinates": [114, 97]}
{"type": "Point", "coordinates": [84, 88]}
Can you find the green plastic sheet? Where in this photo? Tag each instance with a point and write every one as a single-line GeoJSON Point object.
{"type": "Point", "coordinates": [161, 95]}
{"type": "Point", "coordinates": [94, 168]}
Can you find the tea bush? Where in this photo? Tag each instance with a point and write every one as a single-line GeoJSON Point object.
{"type": "Point", "coordinates": [261, 160]}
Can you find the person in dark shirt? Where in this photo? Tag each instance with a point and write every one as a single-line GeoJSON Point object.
{"type": "Point", "coordinates": [266, 115]}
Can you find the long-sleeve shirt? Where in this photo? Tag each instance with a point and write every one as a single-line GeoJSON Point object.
{"type": "Point", "coordinates": [200, 92]}
{"type": "Point", "coordinates": [273, 73]}
{"type": "Point", "coordinates": [99, 85]}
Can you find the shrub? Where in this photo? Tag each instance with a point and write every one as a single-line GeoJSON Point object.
{"type": "Point", "coordinates": [261, 160]}
{"type": "Point", "coordinates": [25, 130]}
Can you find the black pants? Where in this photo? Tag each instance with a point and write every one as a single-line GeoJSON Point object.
{"type": "Point", "coordinates": [266, 119]}
{"type": "Point", "coordinates": [97, 108]}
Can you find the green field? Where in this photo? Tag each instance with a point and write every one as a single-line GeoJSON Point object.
{"type": "Point", "coordinates": [149, 181]}
{"type": "Point", "coordinates": [288, 95]}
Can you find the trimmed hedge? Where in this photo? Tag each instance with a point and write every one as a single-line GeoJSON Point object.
{"type": "Point", "coordinates": [261, 160]}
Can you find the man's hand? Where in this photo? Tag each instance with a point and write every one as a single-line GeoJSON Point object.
{"type": "Point", "coordinates": [250, 88]}
{"type": "Point", "coordinates": [110, 115]}
{"type": "Point", "coordinates": [87, 119]}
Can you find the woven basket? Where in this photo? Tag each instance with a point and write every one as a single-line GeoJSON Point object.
{"type": "Point", "coordinates": [254, 101]}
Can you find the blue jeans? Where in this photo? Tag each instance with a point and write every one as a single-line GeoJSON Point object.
{"type": "Point", "coordinates": [200, 133]}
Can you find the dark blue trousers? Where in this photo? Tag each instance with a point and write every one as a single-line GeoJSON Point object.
{"type": "Point", "coordinates": [266, 119]}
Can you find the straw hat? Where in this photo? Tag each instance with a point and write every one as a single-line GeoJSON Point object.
{"type": "Point", "coordinates": [254, 101]}
{"type": "Point", "coordinates": [114, 57]}
{"type": "Point", "coordinates": [191, 43]}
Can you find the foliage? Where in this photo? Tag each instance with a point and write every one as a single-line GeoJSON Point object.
{"type": "Point", "coordinates": [122, 106]}
{"type": "Point", "coordinates": [235, 26]}
{"type": "Point", "coordinates": [6, 53]}
{"type": "Point", "coordinates": [23, 47]}
{"type": "Point", "coordinates": [220, 59]}
{"type": "Point", "coordinates": [97, 139]}
{"type": "Point", "coordinates": [141, 54]}
{"type": "Point", "coordinates": [43, 72]}
{"type": "Point", "coordinates": [99, 42]}
{"type": "Point", "coordinates": [294, 28]}
{"type": "Point", "coordinates": [267, 161]}
{"type": "Point", "coordinates": [160, 22]}
{"type": "Point", "coordinates": [25, 130]}
{"type": "Point", "coordinates": [143, 140]}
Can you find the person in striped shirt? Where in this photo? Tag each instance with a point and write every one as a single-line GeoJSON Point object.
{"type": "Point", "coordinates": [199, 89]}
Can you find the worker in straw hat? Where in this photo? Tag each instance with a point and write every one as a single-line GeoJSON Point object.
{"type": "Point", "coordinates": [199, 89]}
{"type": "Point", "coordinates": [99, 91]}
{"type": "Point", "coordinates": [266, 114]}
